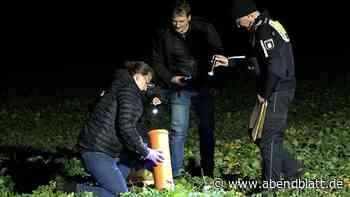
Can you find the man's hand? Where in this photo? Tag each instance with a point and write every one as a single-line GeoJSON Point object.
{"type": "Point", "coordinates": [261, 99]}
{"type": "Point", "coordinates": [178, 80]}
{"type": "Point", "coordinates": [219, 60]}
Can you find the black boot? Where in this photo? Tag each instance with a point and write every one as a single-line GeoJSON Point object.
{"type": "Point", "coordinates": [297, 173]}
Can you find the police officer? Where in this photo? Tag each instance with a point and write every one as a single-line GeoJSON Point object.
{"type": "Point", "coordinates": [272, 59]}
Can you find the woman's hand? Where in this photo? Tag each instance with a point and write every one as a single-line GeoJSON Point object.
{"type": "Point", "coordinates": [156, 156]}
{"type": "Point", "coordinates": [156, 101]}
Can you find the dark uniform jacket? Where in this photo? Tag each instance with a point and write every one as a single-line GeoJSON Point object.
{"type": "Point", "coordinates": [116, 124]}
{"type": "Point", "coordinates": [272, 56]}
{"type": "Point", "coordinates": [185, 54]}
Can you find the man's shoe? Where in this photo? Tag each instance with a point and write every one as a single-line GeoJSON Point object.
{"type": "Point", "coordinates": [193, 167]}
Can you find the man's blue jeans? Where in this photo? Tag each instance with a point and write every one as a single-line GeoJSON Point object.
{"type": "Point", "coordinates": [109, 175]}
{"type": "Point", "coordinates": [180, 102]}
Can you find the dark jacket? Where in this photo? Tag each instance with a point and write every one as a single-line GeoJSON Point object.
{"type": "Point", "coordinates": [188, 54]}
{"type": "Point", "coordinates": [116, 124]}
{"type": "Point", "coordinates": [273, 56]}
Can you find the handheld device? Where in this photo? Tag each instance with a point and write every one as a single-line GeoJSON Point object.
{"type": "Point", "coordinates": [211, 72]}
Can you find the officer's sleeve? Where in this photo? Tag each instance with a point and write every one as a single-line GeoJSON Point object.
{"type": "Point", "coordinates": [269, 46]}
{"type": "Point", "coordinates": [158, 60]}
{"type": "Point", "coordinates": [231, 63]}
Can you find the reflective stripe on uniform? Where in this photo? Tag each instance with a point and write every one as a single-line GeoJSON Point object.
{"type": "Point", "coordinates": [264, 49]}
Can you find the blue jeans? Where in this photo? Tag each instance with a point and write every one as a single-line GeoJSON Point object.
{"type": "Point", "coordinates": [180, 102]}
{"type": "Point", "coordinates": [109, 175]}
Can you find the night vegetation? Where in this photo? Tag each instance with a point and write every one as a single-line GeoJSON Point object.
{"type": "Point", "coordinates": [38, 135]}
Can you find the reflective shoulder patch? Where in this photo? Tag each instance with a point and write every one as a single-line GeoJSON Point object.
{"type": "Point", "coordinates": [280, 29]}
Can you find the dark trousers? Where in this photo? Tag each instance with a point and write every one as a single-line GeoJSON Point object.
{"type": "Point", "coordinates": [276, 160]}
{"type": "Point", "coordinates": [204, 106]}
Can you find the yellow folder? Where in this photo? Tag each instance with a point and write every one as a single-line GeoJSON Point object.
{"type": "Point", "coordinates": [257, 119]}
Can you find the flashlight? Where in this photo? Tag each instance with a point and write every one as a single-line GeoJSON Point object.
{"type": "Point", "coordinates": [155, 110]}
{"type": "Point", "coordinates": [155, 106]}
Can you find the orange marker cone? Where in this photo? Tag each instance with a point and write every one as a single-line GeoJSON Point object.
{"type": "Point", "coordinates": [163, 175]}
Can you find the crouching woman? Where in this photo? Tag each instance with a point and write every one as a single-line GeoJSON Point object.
{"type": "Point", "coordinates": [113, 140]}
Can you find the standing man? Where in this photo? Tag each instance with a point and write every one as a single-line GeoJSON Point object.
{"type": "Point", "coordinates": [181, 59]}
{"type": "Point", "coordinates": [272, 59]}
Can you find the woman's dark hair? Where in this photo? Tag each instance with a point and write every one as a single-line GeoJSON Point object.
{"type": "Point", "coordinates": [138, 67]}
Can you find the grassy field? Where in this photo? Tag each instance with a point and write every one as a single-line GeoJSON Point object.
{"type": "Point", "coordinates": [45, 129]}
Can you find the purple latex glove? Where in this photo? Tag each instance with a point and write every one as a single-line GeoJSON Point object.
{"type": "Point", "coordinates": [156, 156]}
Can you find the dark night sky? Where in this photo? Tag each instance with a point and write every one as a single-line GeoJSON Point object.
{"type": "Point", "coordinates": [89, 39]}
{"type": "Point", "coordinates": [317, 28]}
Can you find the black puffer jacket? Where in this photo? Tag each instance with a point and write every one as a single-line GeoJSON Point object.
{"type": "Point", "coordinates": [116, 124]}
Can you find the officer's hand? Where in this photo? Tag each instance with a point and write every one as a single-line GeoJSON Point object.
{"type": "Point", "coordinates": [178, 80]}
{"type": "Point", "coordinates": [261, 99]}
{"type": "Point", "coordinates": [219, 60]}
